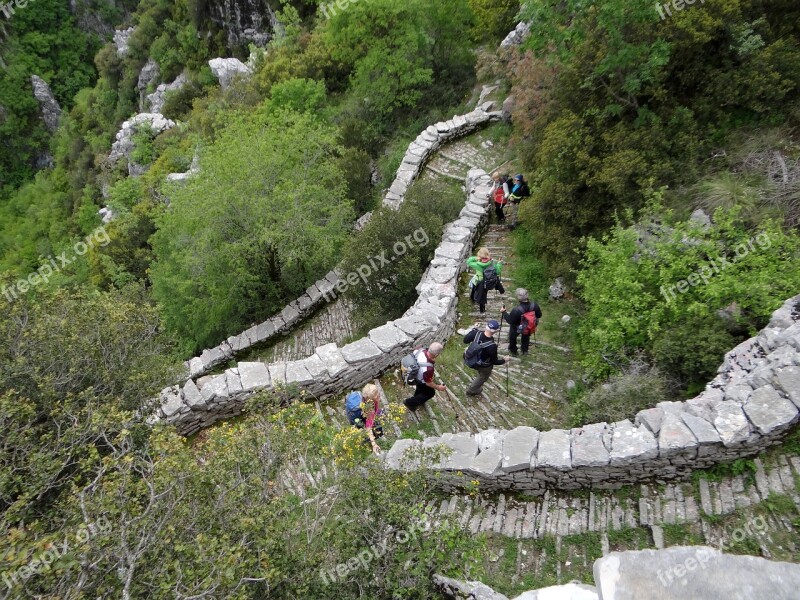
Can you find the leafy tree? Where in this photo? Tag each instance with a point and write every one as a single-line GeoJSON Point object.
{"type": "Point", "coordinates": [266, 215]}
{"type": "Point", "coordinates": [646, 283]}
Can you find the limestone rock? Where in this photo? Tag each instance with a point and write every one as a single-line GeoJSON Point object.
{"type": "Point", "coordinates": [121, 38]}
{"type": "Point", "coordinates": [731, 423]}
{"type": "Point", "coordinates": [157, 98]}
{"type": "Point", "coordinates": [692, 573]}
{"type": "Point", "coordinates": [150, 72]}
{"type": "Point", "coordinates": [558, 289]}
{"type": "Point", "coordinates": [588, 446]}
{"type": "Point", "coordinates": [465, 590]}
{"type": "Point", "coordinates": [519, 449]}
{"type": "Point", "coordinates": [254, 375]}
{"type": "Point", "coordinates": [518, 35]}
{"type": "Point", "coordinates": [227, 69]}
{"type": "Point", "coordinates": [48, 106]}
{"type": "Point", "coordinates": [123, 146]}
{"type": "Point", "coordinates": [554, 450]}
{"type": "Point", "coordinates": [769, 412]}
{"type": "Point", "coordinates": [674, 436]}
{"type": "Point", "coordinates": [788, 380]}
{"type": "Point", "coordinates": [630, 444]}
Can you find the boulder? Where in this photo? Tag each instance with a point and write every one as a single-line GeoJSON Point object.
{"type": "Point", "coordinates": [227, 69]}
{"type": "Point", "coordinates": [48, 106]}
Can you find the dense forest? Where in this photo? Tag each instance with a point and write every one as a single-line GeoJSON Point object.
{"type": "Point", "coordinates": [625, 124]}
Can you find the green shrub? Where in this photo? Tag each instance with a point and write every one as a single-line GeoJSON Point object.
{"type": "Point", "coordinates": [636, 388]}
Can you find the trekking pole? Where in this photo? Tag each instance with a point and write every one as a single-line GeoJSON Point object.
{"type": "Point", "coordinates": [498, 343]}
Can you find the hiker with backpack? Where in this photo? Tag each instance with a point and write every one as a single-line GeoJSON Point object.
{"type": "Point", "coordinates": [501, 190]}
{"type": "Point", "coordinates": [518, 191]}
{"type": "Point", "coordinates": [362, 410]}
{"type": "Point", "coordinates": [522, 320]}
{"type": "Point", "coordinates": [486, 278]}
{"type": "Point", "coordinates": [417, 369]}
{"type": "Point", "coordinates": [481, 355]}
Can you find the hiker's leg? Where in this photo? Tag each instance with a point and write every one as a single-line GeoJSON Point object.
{"type": "Point", "coordinates": [512, 340]}
{"type": "Point", "coordinates": [498, 211]}
{"type": "Point", "coordinates": [483, 293]}
{"type": "Point", "coordinates": [526, 342]}
{"type": "Point", "coordinates": [422, 394]}
{"type": "Point", "coordinates": [476, 386]}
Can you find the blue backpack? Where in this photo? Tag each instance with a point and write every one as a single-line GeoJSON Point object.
{"type": "Point", "coordinates": [352, 405]}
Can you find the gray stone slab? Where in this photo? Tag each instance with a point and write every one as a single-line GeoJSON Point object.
{"type": "Point", "coordinates": [701, 429]}
{"type": "Point", "coordinates": [195, 367]}
{"type": "Point", "coordinates": [396, 457]}
{"type": "Point", "coordinates": [216, 389]}
{"type": "Point", "coordinates": [769, 412]}
{"type": "Point", "coordinates": [361, 351]}
{"type": "Point", "coordinates": [464, 449]}
{"type": "Point", "coordinates": [388, 337]}
{"type": "Point", "coordinates": [264, 331]}
{"type": "Point", "coordinates": [674, 436]}
{"type": "Point", "coordinates": [332, 358]}
{"type": "Point", "coordinates": [788, 380]}
{"type": "Point", "coordinates": [731, 423]}
{"type": "Point", "coordinates": [192, 397]}
{"type": "Point", "coordinates": [171, 403]}
{"type": "Point", "coordinates": [631, 444]}
{"type": "Point", "coordinates": [296, 372]}
{"type": "Point", "coordinates": [519, 449]}
{"type": "Point", "coordinates": [693, 573]}
{"type": "Point", "coordinates": [411, 326]}
{"type": "Point", "coordinates": [277, 373]}
{"type": "Point", "coordinates": [487, 463]}
{"type": "Point", "coordinates": [253, 375]}
{"type": "Point", "coordinates": [315, 367]}
{"type": "Point", "coordinates": [233, 381]}
{"type": "Point", "coordinates": [588, 447]}
{"type": "Point", "coordinates": [650, 418]}
{"type": "Point", "coordinates": [554, 450]}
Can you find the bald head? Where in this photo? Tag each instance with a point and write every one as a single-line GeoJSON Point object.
{"type": "Point", "coordinates": [435, 349]}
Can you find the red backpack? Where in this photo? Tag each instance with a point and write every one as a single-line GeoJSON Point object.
{"type": "Point", "coordinates": [527, 324]}
{"type": "Point", "coordinates": [499, 195]}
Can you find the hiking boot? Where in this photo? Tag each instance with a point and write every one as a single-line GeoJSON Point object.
{"type": "Point", "coordinates": [474, 394]}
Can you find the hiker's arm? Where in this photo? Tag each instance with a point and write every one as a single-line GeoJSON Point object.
{"type": "Point", "coordinates": [538, 312]}
{"type": "Point", "coordinates": [470, 336]}
{"type": "Point", "coordinates": [472, 262]}
{"type": "Point", "coordinates": [507, 316]}
{"type": "Point", "coordinates": [375, 448]}
{"type": "Point", "coordinates": [496, 360]}
{"type": "Point", "coordinates": [427, 379]}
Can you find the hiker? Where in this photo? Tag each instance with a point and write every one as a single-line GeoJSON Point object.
{"type": "Point", "coordinates": [501, 189]}
{"type": "Point", "coordinates": [519, 189]}
{"type": "Point", "coordinates": [425, 387]}
{"type": "Point", "coordinates": [486, 278]}
{"type": "Point", "coordinates": [522, 320]}
{"type": "Point", "coordinates": [481, 355]}
{"type": "Point", "coordinates": [362, 409]}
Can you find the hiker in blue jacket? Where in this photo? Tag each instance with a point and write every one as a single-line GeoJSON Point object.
{"type": "Point", "coordinates": [487, 358]}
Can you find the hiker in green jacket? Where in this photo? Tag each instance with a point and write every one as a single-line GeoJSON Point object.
{"type": "Point", "coordinates": [487, 277]}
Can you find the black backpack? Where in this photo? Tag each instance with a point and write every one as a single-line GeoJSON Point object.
{"type": "Point", "coordinates": [472, 355]}
{"type": "Point", "coordinates": [410, 366]}
{"type": "Point", "coordinates": [490, 277]}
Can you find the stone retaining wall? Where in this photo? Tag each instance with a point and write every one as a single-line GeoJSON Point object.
{"type": "Point", "coordinates": [749, 406]}
{"type": "Point", "coordinates": [332, 369]}
{"type": "Point", "coordinates": [319, 294]}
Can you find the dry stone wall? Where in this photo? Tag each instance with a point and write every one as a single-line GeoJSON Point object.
{"type": "Point", "coordinates": [418, 153]}
{"type": "Point", "coordinates": [749, 406]}
{"type": "Point", "coordinates": [331, 369]}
